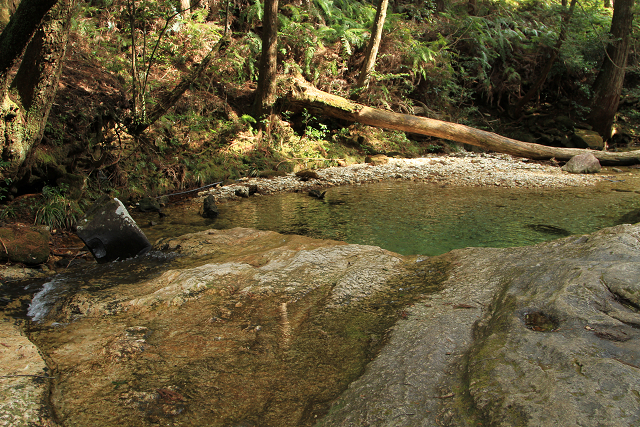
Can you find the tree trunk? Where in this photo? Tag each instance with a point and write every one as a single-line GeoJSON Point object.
{"type": "Point", "coordinates": [374, 44]}
{"type": "Point", "coordinates": [472, 7]}
{"type": "Point", "coordinates": [301, 94]}
{"type": "Point", "coordinates": [607, 87]}
{"type": "Point", "coordinates": [266, 93]}
{"type": "Point", "coordinates": [547, 68]}
{"type": "Point", "coordinates": [24, 108]}
{"type": "Point", "coordinates": [18, 32]}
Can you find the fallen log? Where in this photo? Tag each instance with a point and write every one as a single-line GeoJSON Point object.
{"type": "Point", "coordinates": [301, 94]}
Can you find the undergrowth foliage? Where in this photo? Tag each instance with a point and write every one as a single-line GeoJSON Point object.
{"type": "Point", "coordinates": [444, 64]}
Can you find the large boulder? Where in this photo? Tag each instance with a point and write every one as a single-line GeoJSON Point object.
{"type": "Point", "coordinates": [110, 233]}
{"type": "Point", "coordinates": [24, 244]}
{"type": "Point", "coordinates": [539, 336]}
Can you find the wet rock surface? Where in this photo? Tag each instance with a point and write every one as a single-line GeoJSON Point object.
{"type": "Point", "coordinates": [544, 335]}
{"type": "Point", "coordinates": [249, 327]}
{"type": "Point", "coordinates": [243, 326]}
{"type": "Point", "coordinates": [24, 379]}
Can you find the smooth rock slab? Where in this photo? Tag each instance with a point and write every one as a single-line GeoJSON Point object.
{"type": "Point", "coordinates": [538, 336]}
{"type": "Point", "coordinates": [24, 380]}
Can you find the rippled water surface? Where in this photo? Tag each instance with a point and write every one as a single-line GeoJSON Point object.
{"type": "Point", "coordinates": [419, 218]}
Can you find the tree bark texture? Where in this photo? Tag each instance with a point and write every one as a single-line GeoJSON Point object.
{"type": "Point", "coordinates": [24, 107]}
{"type": "Point", "coordinates": [18, 32]}
{"type": "Point", "coordinates": [266, 94]}
{"type": "Point", "coordinates": [374, 44]}
{"type": "Point", "coordinates": [607, 87]}
{"type": "Point", "coordinates": [301, 94]}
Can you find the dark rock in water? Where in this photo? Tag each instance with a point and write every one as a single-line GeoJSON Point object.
{"type": "Point", "coordinates": [110, 233]}
{"type": "Point", "coordinates": [583, 163]}
{"type": "Point", "coordinates": [24, 244]}
{"type": "Point", "coordinates": [549, 229]}
{"type": "Point", "coordinates": [150, 204]}
{"type": "Point", "coordinates": [209, 208]}
{"type": "Point", "coordinates": [632, 217]}
{"type": "Point", "coordinates": [242, 192]}
{"type": "Point", "coordinates": [317, 194]}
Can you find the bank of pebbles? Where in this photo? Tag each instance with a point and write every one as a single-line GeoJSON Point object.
{"type": "Point", "coordinates": [462, 169]}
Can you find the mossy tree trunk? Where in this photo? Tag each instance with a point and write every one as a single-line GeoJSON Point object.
{"type": "Point", "coordinates": [300, 94]}
{"type": "Point", "coordinates": [607, 87]}
{"type": "Point", "coordinates": [26, 101]}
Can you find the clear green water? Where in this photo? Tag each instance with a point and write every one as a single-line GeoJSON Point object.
{"type": "Point", "coordinates": [418, 218]}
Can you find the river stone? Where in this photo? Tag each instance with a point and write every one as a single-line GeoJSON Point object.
{"type": "Point", "coordinates": [149, 204]}
{"type": "Point", "coordinates": [110, 233]}
{"type": "Point", "coordinates": [24, 385]}
{"type": "Point", "coordinates": [583, 163]}
{"type": "Point", "coordinates": [24, 244]}
{"type": "Point", "coordinates": [531, 336]}
{"type": "Point", "coordinates": [209, 208]}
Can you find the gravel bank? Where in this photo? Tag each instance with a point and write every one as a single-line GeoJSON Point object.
{"type": "Point", "coordinates": [463, 169]}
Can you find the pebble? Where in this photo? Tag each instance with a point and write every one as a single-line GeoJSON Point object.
{"type": "Point", "coordinates": [461, 169]}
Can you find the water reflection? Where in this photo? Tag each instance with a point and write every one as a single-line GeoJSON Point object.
{"type": "Point", "coordinates": [418, 218]}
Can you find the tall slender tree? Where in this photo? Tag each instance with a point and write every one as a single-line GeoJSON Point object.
{"type": "Point", "coordinates": [266, 93]}
{"type": "Point", "coordinates": [374, 44]}
{"type": "Point", "coordinates": [607, 87]}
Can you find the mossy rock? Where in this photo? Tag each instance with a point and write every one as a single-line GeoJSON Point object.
{"type": "Point", "coordinates": [24, 244]}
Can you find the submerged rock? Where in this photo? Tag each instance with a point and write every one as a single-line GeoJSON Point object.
{"type": "Point", "coordinates": [209, 207]}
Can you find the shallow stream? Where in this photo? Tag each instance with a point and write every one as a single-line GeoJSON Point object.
{"type": "Point", "coordinates": [417, 218]}
{"type": "Point", "coordinates": [234, 359]}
